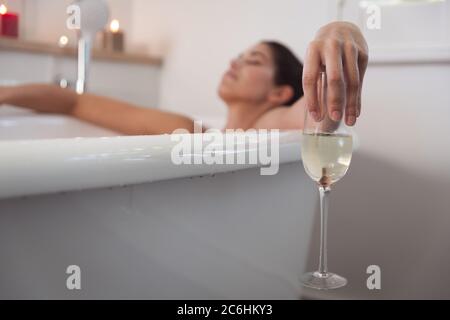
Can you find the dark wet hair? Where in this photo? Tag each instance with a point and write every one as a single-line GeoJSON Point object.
{"type": "Point", "coordinates": [289, 69]}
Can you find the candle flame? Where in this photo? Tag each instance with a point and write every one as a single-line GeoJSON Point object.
{"type": "Point", "coordinates": [114, 26]}
{"type": "Point", "coordinates": [63, 41]}
{"type": "Point", "coordinates": [3, 9]}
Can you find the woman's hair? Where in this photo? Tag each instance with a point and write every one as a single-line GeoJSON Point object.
{"type": "Point", "coordinates": [288, 69]}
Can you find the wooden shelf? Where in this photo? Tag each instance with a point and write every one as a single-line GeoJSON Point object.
{"type": "Point", "coordinates": [45, 48]}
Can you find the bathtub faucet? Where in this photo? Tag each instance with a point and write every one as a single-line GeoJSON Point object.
{"type": "Point", "coordinates": [94, 15]}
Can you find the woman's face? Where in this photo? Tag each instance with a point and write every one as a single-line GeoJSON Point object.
{"type": "Point", "coordinates": [250, 77]}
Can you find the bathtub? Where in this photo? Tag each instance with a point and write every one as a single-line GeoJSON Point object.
{"type": "Point", "coordinates": [139, 226]}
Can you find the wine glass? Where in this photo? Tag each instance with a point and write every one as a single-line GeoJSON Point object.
{"type": "Point", "coordinates": [326, 153]}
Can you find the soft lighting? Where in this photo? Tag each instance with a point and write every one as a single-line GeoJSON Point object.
{"type": "Point", "coordinates": [63, 41]}
{"type": "Point", "coordinates": [3, 9]}
{"type": "Point", "coordinates": [114, 26]}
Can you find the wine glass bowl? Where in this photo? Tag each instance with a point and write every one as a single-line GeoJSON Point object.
{"type": "Point", "coordinates": [326, 157]}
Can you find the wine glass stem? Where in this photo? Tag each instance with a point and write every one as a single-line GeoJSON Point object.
{"type": "Point", "coordinates": [324, 198]}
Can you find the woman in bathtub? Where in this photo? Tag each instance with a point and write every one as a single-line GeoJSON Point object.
{"type": "Point", "coordinates": [262, 89]}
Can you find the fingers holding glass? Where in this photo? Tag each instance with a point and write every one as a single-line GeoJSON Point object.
{"type": "Point", "coordinates": [312, 68]}
{"type": "Point", "coordinates": [336, 98]}
{"type": "Point", "coordinates": [352, 82]}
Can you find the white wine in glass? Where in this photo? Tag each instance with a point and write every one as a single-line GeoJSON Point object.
{"type": "Point", "coordinates": [327, 147]}
{"type": "Point", "coordinates": [326, 156]}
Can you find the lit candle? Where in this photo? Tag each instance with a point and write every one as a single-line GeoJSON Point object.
{"type": "Point", "coordinates": [9, 23]}
{"type": "Point", "coordinates": [113, 39]}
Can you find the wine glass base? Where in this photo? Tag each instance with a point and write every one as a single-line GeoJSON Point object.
{"type": "Point", "coordinates": [322, 281]}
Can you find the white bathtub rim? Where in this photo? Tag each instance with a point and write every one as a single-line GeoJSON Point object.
{"type": "Point", "coordinates": [34, 167]}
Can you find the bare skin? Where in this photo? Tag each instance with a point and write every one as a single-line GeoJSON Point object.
{"type": "Point", "coordinates": [101, 111]}
{"type": "Point", "coordinates": [247, 88]}
{"type": "Point", "coordinates": [341, 49]}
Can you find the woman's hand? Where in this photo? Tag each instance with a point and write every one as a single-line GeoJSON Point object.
{"type": "Point", "coordinates": [341, 48]}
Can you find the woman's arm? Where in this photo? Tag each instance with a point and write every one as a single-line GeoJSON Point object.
{"type": "Point", "coordinates": [109, 113]}
{"type": "Point", "coordinates": [341, 48]}
{"type": "Point", "coordinates": [40, 98]}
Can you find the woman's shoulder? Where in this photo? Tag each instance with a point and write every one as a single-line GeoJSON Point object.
{"type": "Point", "coordinates": [283, 117]}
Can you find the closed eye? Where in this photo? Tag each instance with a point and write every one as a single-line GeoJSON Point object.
{"type": "Point", "coordinates": [253, 62]}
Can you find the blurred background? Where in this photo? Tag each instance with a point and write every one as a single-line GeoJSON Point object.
{"type": "Point", "coordinates": [393, 208]}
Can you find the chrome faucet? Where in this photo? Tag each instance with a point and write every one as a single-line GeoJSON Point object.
{"type": "Point", "coordinates": [94, 15]}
